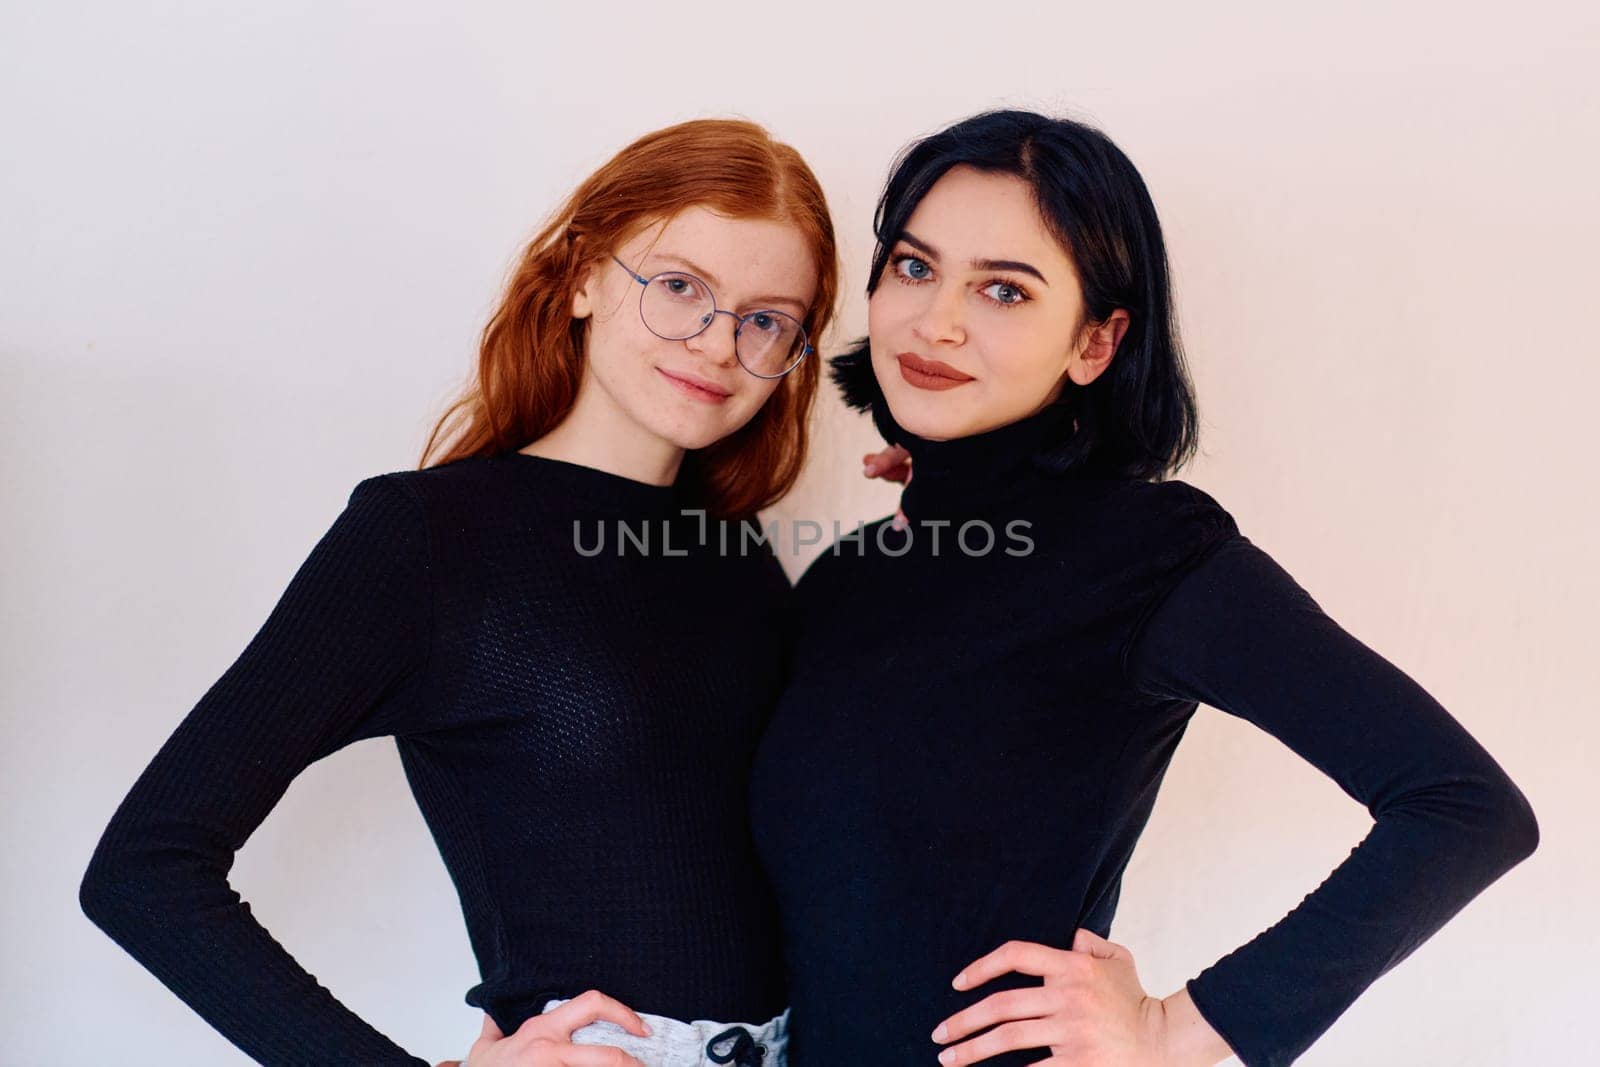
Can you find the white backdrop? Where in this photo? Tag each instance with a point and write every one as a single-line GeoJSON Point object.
{"type": "Point", "coordinates": [245, 253]}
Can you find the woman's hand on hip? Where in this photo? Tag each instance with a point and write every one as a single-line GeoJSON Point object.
{"type": "Point", "coordinates": [546, 1040]}
{"type": "Point", "coordinates": [1090, 1011]}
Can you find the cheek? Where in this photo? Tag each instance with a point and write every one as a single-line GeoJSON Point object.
{"type": "Point", "coordinates": [875, 314]}
{"type": "Point", "coordinates": [1017, 353]}
{"type": "Point", "coordinates": [622, 341]}
{"type": "Point", "coordinates": [756, 398]}
{"type": "Point", "coordinates": [624, 364]}
{"type": "Point", "coordinates": [891, 306]}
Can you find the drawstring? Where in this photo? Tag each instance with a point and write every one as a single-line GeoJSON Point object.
{"type": "Point", "coordinates": [745, 1051]}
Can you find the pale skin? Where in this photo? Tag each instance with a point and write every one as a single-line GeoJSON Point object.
{"type": "Point", "coordinates": [546, 1040]}
{"type": "Point", "coordinates": [1020, 333]}
{"type": "Point", "coordinates": [629, 419]}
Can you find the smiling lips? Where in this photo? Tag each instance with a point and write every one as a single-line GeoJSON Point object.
{"type": "Point", "coordinates": [930, 373]}
{"type": "Point", "coordinates": [698, 388]}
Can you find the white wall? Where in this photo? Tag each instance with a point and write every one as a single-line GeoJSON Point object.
{"type": "Point", "coordinates": [244, 255]}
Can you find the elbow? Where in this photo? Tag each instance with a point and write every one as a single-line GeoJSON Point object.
{"type": "Point", "coordinates": [100, 896]}
{"type": "Point", "coordinates": [1504, 829]}
{"type": "Point", "coordinates": [1520, 826]}
{"type": "Point", "coordinates": [1483, 822]}
{"type": "Point", "coordinates": [108, 893]}
{"type": "Point", "coordinates": [135, 885]}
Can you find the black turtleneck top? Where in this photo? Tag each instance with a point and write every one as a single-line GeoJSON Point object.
{"type": "Point", "coordinates": [576, 724]}
{"type": "Point", "coordinates": [971, 743]}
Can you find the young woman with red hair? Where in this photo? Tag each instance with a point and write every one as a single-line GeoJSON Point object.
{"type": "Point", "coordinates": [576, 722]}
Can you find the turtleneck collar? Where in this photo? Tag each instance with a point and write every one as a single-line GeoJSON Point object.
{"type": "Point", "coordinates": [963, 475]}
{"type": "Point", "coordinates": [599, 492]}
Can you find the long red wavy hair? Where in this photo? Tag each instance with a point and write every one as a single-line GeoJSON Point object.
{"type": "Point", "coordinates": [530, 357]}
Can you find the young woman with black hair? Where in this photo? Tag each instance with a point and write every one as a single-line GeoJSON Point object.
{"type": "Point", "coordinates": [577, 726]}
{"type": "Point", "coordinates": [986, 692]}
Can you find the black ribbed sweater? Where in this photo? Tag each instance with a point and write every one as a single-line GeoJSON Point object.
{"type": "Point", "coordinates": [971, 744]}
{"type": "Point", "coordinates": [576, 729]}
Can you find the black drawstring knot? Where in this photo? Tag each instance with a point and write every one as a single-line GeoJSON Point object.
{"type": "Point", "coordinates": [742, 1049]}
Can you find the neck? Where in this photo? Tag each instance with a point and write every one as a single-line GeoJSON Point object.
{"type": "Point", "coordinates": [967, 475]}
{"type": "Point", "coordinates": [597, 433]}
{"type": "Point", "coordinates": [961, 476]}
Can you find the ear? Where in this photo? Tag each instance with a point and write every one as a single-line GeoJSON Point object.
{"type": "Point", "coordinates": [586, 292]}
{"type": "Point", "coordinates": [1104, 338]}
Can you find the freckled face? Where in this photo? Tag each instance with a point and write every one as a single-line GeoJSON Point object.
{"type": "Point", "coordinates": [692, 392]}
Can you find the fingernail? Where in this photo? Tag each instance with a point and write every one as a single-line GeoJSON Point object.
{"type": "Point", "coordinates": [946, 1056]}
{"type": "Point", "coordinates": [646, 1026]}
{"type": "Point", "coordinates": [960, 980]}
{"type": "Point", "coordinates": [941, 1032]}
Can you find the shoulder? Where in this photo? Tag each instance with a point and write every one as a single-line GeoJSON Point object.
{"type": "Point", "coordinates": [843, 560]}
{"type": "Point", "coordinates": [475, 493]}
{"type": "Point", "coordinates": [1170, 501]}
{"type": "Point", "coordinates": [1149, 529]}
{"type": "Point", "coordinates": [816, 572]}
{"type": "Point", "coordinates": [413, 513]}
{"type": "Point", "coordinates": [1167, 512]}
{"type": "Point", "coordinates": [462, 480]}
{"type": "Point", "coordinates": [759, 568]}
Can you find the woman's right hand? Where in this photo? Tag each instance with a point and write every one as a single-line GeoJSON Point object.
{"type": "Point", "coordinates": [546, 1040]}
{"type": "Point", "coordinates": [892, 464]}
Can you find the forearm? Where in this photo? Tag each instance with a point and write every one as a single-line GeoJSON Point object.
{"type": "Point", "coordinates": [1191, 1041]}
{"type": "Point", "coordinates": [235, 976]}
{"type": "Point", "coordinates": [338, 659]}
{"type": "Point", "coordinates": [1238, 633]}
{"type": "Point", "coordinates": [1417, 868]}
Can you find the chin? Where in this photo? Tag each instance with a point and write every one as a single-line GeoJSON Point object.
{"type": "Point", "coordinates": [685, 424]}
{"type": "Point", "coordinates": [690, 435]}
{"type": "Point", "coordinates": [692, 442]}
{"type": "Point", "coordinates": [930, 416]}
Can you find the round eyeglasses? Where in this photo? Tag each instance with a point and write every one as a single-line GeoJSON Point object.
{"type": "Point", "coordinates": [676, 306]}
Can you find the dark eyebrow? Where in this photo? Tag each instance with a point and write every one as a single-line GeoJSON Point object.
{"type": "Point", "coordinates": [976, 264]}
{"type": "Point", "coordinates": [707, 276]}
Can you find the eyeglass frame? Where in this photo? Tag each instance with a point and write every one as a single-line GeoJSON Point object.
{"type": "Point", "coordinates": [806, 350]}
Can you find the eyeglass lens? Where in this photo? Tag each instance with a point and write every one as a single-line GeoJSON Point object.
{"type": "Point", "coordinates": [678, 306]}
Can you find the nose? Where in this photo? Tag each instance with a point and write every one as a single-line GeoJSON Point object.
{"type": "Point", "coordinates": [943, 317]}
{"type": "Point", "coordinates": [717, 341]}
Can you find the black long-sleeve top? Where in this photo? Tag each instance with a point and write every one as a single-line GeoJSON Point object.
{"type": "Point", "coordinates": [971, 744]}
{"type": "Point", "coordinates": [576, 726]}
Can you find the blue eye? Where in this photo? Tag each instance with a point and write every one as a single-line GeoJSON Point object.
{"type": "Point", "coordinates": [682, 287]}
{"type": "Point", "coordinates": [1005, 293]}
{"type": "Point", "coordinates": [912, 268]}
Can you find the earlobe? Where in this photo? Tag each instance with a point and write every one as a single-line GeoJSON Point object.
{"type": "Point", "coordinates": [582, 303]}
{"type": "Point", "coordinates": [582, 298]}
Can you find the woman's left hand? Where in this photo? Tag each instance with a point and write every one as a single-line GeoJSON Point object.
{"type": "Point", "coordinates": [1090, 1011]}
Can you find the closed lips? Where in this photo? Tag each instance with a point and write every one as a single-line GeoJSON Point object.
{"type": "Point", "coordinates": [933, 367]}
{"type": "Point", "coordinates": [698, 383]}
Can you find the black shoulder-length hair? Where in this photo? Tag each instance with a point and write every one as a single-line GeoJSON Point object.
{"type": "Point", "coordinates": [1138, 419]}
